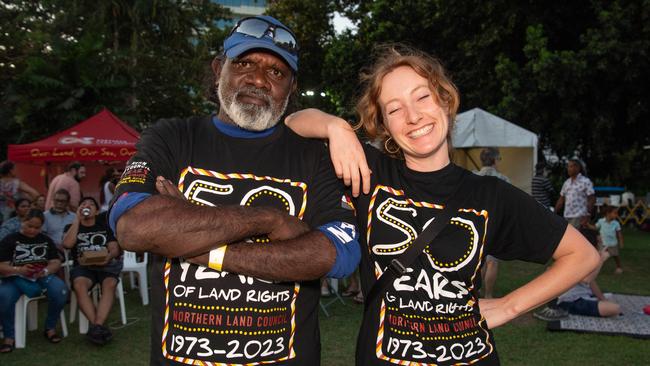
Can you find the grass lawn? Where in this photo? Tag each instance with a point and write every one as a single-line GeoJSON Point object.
{"type": "Point", "coordinates": [524, 341]}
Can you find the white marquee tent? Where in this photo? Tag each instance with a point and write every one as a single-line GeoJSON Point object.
{"type": "Point", "coordinates": [476, 129]}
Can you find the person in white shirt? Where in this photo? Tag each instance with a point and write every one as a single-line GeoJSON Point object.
{"type": "Point", "coordinates": [107, 187]}
{"type": "Point", "coordinates": [577, 196]}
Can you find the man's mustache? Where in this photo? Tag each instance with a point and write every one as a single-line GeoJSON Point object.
{"type": "Point", "coordinates": [255, 92]}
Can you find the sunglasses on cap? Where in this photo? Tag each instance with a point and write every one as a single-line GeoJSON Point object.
{"type": "Point", "coordinates": [258, 28]}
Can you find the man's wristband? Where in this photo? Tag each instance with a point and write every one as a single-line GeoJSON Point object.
{"type": "Point", "coordinates": [216, 258]}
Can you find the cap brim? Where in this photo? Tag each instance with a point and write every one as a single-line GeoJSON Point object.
{"type": "Point", "coordinates": [257, 44]}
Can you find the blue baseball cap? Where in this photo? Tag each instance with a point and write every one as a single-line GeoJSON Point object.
{"type": "Point", "coordinates": [237, 43]}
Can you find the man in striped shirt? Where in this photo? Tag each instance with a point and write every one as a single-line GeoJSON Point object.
{"type": "Point", "coordinates": [541, 186]}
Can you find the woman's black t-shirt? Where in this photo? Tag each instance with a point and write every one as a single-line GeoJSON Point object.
{"type": "Point", "coordinates": [430, 315]}
{"type": "Point", "coordinates": [21, 250]}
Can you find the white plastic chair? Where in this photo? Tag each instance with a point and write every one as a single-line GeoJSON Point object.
{"type": "Point", "coordinates": [95, 293]}
{"type": "Point", "coordinates": [131, 265]}
{"type": "Point", "coordinates": [27, 318]}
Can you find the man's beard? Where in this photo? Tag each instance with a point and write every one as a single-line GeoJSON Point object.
{"type": "Point", "coordinates": [250, 116]}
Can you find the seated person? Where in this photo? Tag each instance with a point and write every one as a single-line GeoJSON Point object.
{"type": "Point", "coordinates": [580, 300]}
{"type": "Point", "coordinates": [12, 225]}
{"type": "Point", "coordinates": [58, 217]}
{"type": "Point", "coordinates": [28, 260]}
{"type": "Point", "coordinates": [88, 233]}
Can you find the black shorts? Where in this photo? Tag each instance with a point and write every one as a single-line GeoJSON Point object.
{"type": "Point", "coordinates": [97, 274]}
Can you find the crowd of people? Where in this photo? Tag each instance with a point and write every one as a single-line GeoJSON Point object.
{"type": "Point", "coordinates": [244, 217]}
{"type": "Point", "coordinates": [34, 245]}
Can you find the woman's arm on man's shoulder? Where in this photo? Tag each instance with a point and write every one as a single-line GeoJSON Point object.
{"type": "Point", "coordinates": [346, 151]}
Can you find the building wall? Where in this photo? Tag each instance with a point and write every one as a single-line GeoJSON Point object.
{"type": "Point", "coordinates": [241, 9]}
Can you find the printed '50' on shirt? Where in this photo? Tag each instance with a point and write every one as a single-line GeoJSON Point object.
{"type": "Point", "coordinates": [202, 316]}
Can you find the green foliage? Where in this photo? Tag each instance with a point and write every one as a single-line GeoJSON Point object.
{"type": "Point", "coordinates": [575, 72]}
{"type": "Point", "coordinates": [63, 61]}
{"type": "Point", "coordinates": [311, 22]}
{"type": "Point", "coordinates": [586, 96]}
{"type": "Point", "coordinates": [577, 81]}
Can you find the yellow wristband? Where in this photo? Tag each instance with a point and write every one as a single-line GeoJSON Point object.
{"type": "Point", "coordinates": [216, 257]}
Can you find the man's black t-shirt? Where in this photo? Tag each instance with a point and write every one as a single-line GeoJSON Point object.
{"type": "Point", "coordinates": [91, 238]}
{"type": "Point", "coordinates": [21, 250]}
{"type": "Point", "coordinates": [430, 315]}
{"type": "Point", "coordinates": [204, 316]}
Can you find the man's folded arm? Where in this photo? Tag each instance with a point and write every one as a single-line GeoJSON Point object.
{"type": "Point", "coordinates": [331, 250]}
{"type": "Point", "coordinates": [172, 227]}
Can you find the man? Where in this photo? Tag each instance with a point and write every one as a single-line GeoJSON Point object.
{"type": "Point", "coordinates": [490, 270]}
{"type": "Point", "coordinates": [68, 180]}
{"type": "Point", "coordinates": [577, 196]}
{"type": "Point", "coordinates": [541, 187]}
{"type": "Point", "coordinates": [245, 182]}
{"type": "Point", "coordinates": [58, 217]}
{"type": "Point", "coordinates": [88, 234]}
{"type": "Point", "coordinates": [489, 157]}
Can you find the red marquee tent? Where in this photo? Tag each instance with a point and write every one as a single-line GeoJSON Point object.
{"type": "Point", "coordinates": [98, 142]}
{"type": "Point", "coordinates": [100, 137]}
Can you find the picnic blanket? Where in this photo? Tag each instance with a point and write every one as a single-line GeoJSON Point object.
{"type": "Point", "coordinates": [633, 322]}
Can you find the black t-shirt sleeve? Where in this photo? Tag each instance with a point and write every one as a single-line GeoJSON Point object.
{"type": "Point", "coordinates": [52, 252]}
{"type": "Point", "coordinates": [156, 155]}
{"type": "Point", "coordinates": [373, 155]}
{"type": "Point", "coordinates": [7, 247]}
{"type": "Point", "coordinates": [524, 229]}
{"type": "Point", "coordinates": [66, 228]}
{"type": "Point", "coordinates": [109, 233]}
{"type": "Point", "coordinates": [328, 193]}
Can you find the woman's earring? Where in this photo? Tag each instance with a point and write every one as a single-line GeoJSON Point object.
{"type": "Point", "coordinates": [388, 150]}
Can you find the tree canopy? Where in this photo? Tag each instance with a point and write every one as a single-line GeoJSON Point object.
{"type": "Point", "coordinates": [575, 72]}
{"type": "Point", "coordinates": [62, 61]}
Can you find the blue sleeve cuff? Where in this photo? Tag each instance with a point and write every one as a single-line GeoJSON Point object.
{"type": "Point", "coordinates": [345, 238]}
{"type": "Point", "coordinates": [124, 203]}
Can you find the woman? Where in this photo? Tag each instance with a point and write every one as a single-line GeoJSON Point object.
{"type": "Point", "coordinates": [29, 261]}
{"type": "Point", "coordinates": [432, 313]}
{"type": "Point", "coordinates": [11, 189]}
{"type": "Point", "coordinates": [13, 224]}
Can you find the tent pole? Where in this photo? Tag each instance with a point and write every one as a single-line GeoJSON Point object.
{"type": "Point", "coordinates": [535, 151]}
{"type": "Point", "coordinates": [472, 160]}
{"type": "Point", "coordinates": [47, 175]}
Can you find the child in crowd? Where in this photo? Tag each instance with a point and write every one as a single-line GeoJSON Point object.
{"type": "Point", "coordinates": [611, 235]}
